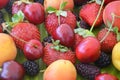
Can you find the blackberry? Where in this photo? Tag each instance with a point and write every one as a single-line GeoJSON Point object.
{"type": "Point", "coordinates": [48, 39]}
{"type": "Point", "coordinates": [84, 25]}
{"type": "Point", "coordinates": [8, 8]}
{"type": "Point", "coordinates": [31, 68]}
{"type": "Point", "coordinates": [88, 71]}
{"type": "Point", "coordinates": [103, 61]}
{"type": "Point", "coordinates": [39, 1]}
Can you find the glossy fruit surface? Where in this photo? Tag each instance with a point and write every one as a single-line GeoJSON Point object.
{"type": "Point", "coordinates": [3, 3]}
{"type": "Point", "coordinates": [88, 50]}
{"type": "Point", "coordinates": [34, 13]}
{"type": "Point", "coordinates": [33, 50]}
{"type": "Point", "coordinates": [12, 70]}
{"type": "Point", "coordinates": [65, 34]}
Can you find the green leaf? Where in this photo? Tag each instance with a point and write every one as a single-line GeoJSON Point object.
{"type": "Point", "coordinates": [19, 17]}
{"type": "Point", "coordinates": [116, 31]}
{"type": "Point", "coordinates": [63, 13]}
{"type": "Point", "coordinates": [63, 5]}
{"type": "Point", "coordinates": [98, 2]}
{"type": "Point", "coordinates": [51, 10]}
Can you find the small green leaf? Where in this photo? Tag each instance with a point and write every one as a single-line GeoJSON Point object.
{"type": "Point", "coordinates": [118, 36]}
{"type": "Point", "coordinates": [115, 30]}
{"type": "Point", "coordinates": [63, 13]}
{"type": "Point", "coordinates": [50, 10]}
{"type": "Point", "coordinates": [19, 17]}
{"type": "Point", "coordinates": [63, 5]}
{"type": "Point", "coordinates": [98, 2]}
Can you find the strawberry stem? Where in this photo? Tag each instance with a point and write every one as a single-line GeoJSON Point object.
{"type": "Point", "coordinates": [97, 16]}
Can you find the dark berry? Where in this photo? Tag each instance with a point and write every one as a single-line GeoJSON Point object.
{"type": "Point", "coordinates": [39, 1]}
{"type": "Point", "coordinates": [31, 68]}
{"type": "Point", "coordinates": [83, 24]}
{"type": "Point", "coordinates": [103, 61]}
{"type": "Point", "coordinates": [8, 8]}
{"type": "Point", "coordinates": [88, 71]}
{"type": "Point", "coordinates": [77, 16]}
{"type": "Point", "coordinates": [48, 39]}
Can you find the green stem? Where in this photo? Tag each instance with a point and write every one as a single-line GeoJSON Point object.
{"type": "Point", "coordinates": [99, 12]}
{"type": "Point", "coordinates": [113, 19]}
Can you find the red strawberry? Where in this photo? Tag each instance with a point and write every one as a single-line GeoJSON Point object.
{"type": "Point", "coordinates": [18, 5]}
{"type": "Point", "coordinates": [109, 42]}
{"type": "Point", "coordinates": [26, 32]}
{"type": "Point", "coordinates": [89, 13]}
{"type": "Point", "coordinates": [51, 21]}
{"type": "Point", "coordinates": [51, 55]}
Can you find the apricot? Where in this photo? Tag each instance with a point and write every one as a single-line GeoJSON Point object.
{"type": "Point", "coordinates": [56, 4]}
{"type": "Point", "coordinates": [8, 49]}
{"type": "Point", "coordinates": [60, 70]}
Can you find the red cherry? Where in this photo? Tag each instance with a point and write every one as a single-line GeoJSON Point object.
{"type": "Point", "coordinates": [106, 76]}
{"type": "Point", "coordinates": [65, 34]}
{"type": "Point", "coordinates": [34, 13]}
{"type": "Point", "coordinates": [3, 3]}
{"type": "Point", "coordinates": [12, 70]}
{"type": "Point", "coordinates": [88, 50]}
{"type": "Point", "coordinates": [33, 50]}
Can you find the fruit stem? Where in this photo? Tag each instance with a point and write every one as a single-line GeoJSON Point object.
{"type": "Point", "coordinates": [110, 27]}
{"type": "Point", "coordinates": [99, 12]}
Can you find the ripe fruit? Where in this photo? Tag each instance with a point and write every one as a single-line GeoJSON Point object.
{"type": "Point", "coordinates": [89, 13]}
{"type": "Point", "coordinates": [12, 70]}
{"type": "Point", "coordinates": [55, 52]}
{"type": "Point", "coordinates": [88, 50]}
{"type": "Point", "coordinates": [26, 32]}
{"type": "Point", "coordinates": [109, 42]}
{"type": "Point", "coordinates": [111, 14]}
{"type": "Point", "coordinates": [88, 71]}
{"type": "Point", "coordinates": [108, 1]}
{"type": "Point", "coordinates": [34, 13]}
{"type": "Point", "coordinates": [106, 76]}
{"type": "Point", "coordinates": [33, 49]}
{"type": "Point", "coordinates": [65, 34]}
{"type": "Point", "coordinates": [6, 42]}
{"type": "Point", "coordinates": [56, 4]}
{"type": "Point", "coordinates": [60, 70]}
{"type": "Point", "coordinates": [51, 21]}
{"type": "Point", "coordinates": [3, 3]}
{"type": "Point", "coordinates": [116, 56]}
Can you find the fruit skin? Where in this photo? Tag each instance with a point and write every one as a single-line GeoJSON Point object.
{"type": "Point", "coordinates": [112, 8]}
{"type": "Point", "coordinates": [3, 3]}
{"type": "Point", "coordinates": [56, 4]}
{"type": "Point", "coordinates": [65, 34]}
{"type": "Point", "coordinates": [21, 29]}
{"type": "Point", "coordinates": [109, 42]}
{"type": "Point", "coordinates": [6, 42]}
{"type": "Point", "coordinates": [16, 6]}
{"type": "Point", "coordinates": [51, 21]}
{"type": "Point", "coordinates": [116, 56]}
{"type": "Point", "coordinates": [106, 76]}
{"type": "Point", "coordinates": [34, 13]}
{"type": "Point", "coordinates": [51, 55]}
{"type": "Point", "coordinates": [60, 70]}
{"type": "Point", "coordinates": [89, 13]}
{"type": "Point", "coordinates": [12, 70]}
{"type": "Point", "coordinates": [88, 71]}
{"type": "Point", "coordinates": [108, 1]}
{"type": "Point", "coordinates": [33, 50]}
{"type": "Point", "coordinates": [31, 68]}
{"type": "Point", "coordinates": [88, 50]}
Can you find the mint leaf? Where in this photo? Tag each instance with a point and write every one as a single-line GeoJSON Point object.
{"type": "Point", "coordinates": [19, 17]}
{"type": "Point", "coordinates": [50, 10]}
{"type": "Point", "coordinates": [62, 6]}
{"type": "Point", "coordinates": [116, 30]}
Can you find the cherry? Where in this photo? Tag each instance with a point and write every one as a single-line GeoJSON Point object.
{"type": "Point", "coordinates": [33, 49]}
{"type": "Point", "coordinates": [106, 76]}
{"type": "Point", "coordinates": [88, 50]}
{"type": "Point", "coordinates": [34, 13]}
{"type": "Point", "coordinates": [3, 3]}
{"type": "Point", "coordinates": [65, 34]}
{"type": "Point", "coordinates": [12, 70]}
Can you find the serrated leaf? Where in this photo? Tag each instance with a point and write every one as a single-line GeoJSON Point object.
{"type": "Point", "coordinates": [63, 13]}
{"type": "Point", "coordinates": [63, 5]}
{"type": "Point", "coordinates": [50, 10]}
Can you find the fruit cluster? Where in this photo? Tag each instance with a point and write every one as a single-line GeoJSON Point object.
{"type": "Point", "coordinates": [65, 37]}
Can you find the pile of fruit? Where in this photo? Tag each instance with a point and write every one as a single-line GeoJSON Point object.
{"type": "Point", "coordinates": [59, 40]}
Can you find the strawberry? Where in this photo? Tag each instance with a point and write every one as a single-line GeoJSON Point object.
{"type": "Point", "coordinates": [89, 13]}
{"type": "Point", "coordinates": [108, 1]}
{"type": "Point", "coordinates": [51, 21]}
{"type": "Point", "coordinates": [108, 43]}
{"type": "Point", "coordinates": [53, 52]}
{"type": "Point", "coordinates": [23, 32]}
